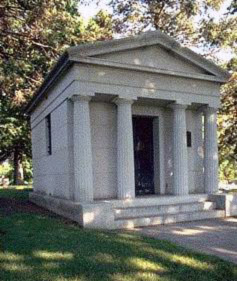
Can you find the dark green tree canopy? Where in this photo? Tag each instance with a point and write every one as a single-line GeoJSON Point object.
{"type": "Point", "coordinates": [33, 33]}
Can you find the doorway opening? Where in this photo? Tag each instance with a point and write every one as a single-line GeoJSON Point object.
{"type": "Point", "coordinates": [143, 155]}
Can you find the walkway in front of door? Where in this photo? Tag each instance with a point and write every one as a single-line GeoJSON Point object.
{"type": "Point", "coordinates": [214, 236]}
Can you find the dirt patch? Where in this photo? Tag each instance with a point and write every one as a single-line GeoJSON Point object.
{"type": "Point", "coordinates": [12, 206]}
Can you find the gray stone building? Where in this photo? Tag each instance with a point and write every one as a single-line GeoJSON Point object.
{"type": "Point", "coordinates": [124, 134]}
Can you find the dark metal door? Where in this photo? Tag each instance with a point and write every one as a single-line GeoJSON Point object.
{"type": "Point", "coordinates": [143, 155]}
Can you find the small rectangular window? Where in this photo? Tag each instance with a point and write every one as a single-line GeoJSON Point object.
{"type": "Point", "coordinates": [48, 134]}
{"type": "Point", "coordinates": [189, 139]}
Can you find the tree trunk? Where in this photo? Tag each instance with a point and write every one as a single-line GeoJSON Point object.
{"type": "Point", "coordinates": [18, 175]}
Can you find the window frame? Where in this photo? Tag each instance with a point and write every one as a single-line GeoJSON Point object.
{"type": "Point", "coordinates": [48, 134]}
{"type": "Point", "coordinates": [189, 139]}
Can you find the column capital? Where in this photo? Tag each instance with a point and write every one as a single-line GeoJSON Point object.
{"type": "Point", "coordinates": [80, 98]}
{"type": "Point", "coordinates": [120, 100]}
{"type": "Point", "coordinates": [178, 106]}
{"type": "Point", "coordinates": [209, 109]}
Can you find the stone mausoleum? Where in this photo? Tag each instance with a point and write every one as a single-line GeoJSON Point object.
{"type": "Point", "coordinates": [124, 134]}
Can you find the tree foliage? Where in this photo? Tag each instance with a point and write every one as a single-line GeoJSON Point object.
{"type": "Point", "coordinates": [228, 126]}
{"type": "Point", "coordinates": [175, 18]}
{"type": "Point", "coordinates": [33, 33]}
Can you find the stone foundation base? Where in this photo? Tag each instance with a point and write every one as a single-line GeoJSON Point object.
{"type": "Point", "coordinates": [227, 202]}
{"type": "Point", "coordinates": [88, 215]}
{"type": "Point", "coordinates": [138, 212]}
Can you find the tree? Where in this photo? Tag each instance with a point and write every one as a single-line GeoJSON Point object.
{"type": "Point", "coordinates": [15, 137]}
{"type": "Point", "coordinates": [227, 122]}
{"type": "Point", "coordinates": [33, 33]}
{"type": "Point", "coordinates": [233, 7]}
{"type": "Point", "coordinates": [176, 18]}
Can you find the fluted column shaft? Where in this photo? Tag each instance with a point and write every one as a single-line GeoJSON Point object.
{"type": "Point", "coordinates": [210, 151]}
{"type": "Point", "coordinates": [180, 153]}
{"type": "Point", "coordinates": [125, 153]}
{"type": "Point", "coordinates": [82, 149]}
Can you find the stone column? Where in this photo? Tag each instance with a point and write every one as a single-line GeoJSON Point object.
{"type": "Point", "coordinates": [125, 152]}
{"type": "Point", "coordinates": [82, 149]}
{"type": "Point", "coordinates": [198, 148]}
{"type": "Point", "coordinates": [180, 153]}
{"type": "Point", "coordinates": [210, 151]}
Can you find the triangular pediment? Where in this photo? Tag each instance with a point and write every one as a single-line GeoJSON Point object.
{"type": "Point", "coordinates": [154, 56]}
{"type": "Point", "coordinates": [153, 49]}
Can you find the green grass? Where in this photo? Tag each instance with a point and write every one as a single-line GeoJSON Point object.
{"type": "Point", "coordinates": [15, 192]}
{"type": "Point", "coordinates": [41, 248]}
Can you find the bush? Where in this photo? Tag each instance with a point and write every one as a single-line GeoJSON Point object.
{"type": "Point", "coordinates": [6, 170]}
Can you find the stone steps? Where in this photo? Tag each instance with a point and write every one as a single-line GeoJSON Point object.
{"type": "Point", "coordinates": [131, 222]}
{"type": "Point", "coordinates": [144, 201]}
{"type": "Point", "coordinates": [156, 210]}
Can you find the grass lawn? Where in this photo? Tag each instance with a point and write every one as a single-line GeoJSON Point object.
{"type": "Point", "coordinates": [38, 246]}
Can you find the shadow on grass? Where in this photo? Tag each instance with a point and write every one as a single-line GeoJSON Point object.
{"type": "Point", "coordinates": [39, 248]}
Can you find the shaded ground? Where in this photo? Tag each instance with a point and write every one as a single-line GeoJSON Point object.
{"type": "Point", "coordinates": [12, 206]}
{"type": "Point", "coordinates": [13, 201]}
{"type": "Point", "coordinates": [36, 245]}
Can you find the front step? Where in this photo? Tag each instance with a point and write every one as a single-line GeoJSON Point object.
{"type": "Point", "coordinates": [146, 211]}
{"type": "Point", "coordinates": [144, 201]}
{"type": "Point", "coordinates": [131, 222]}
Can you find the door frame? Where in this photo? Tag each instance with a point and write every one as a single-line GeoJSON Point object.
{"type": "Point", "coordinates": [152, 119]}
{"type": "Point", "coordinates": [158, 143]}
